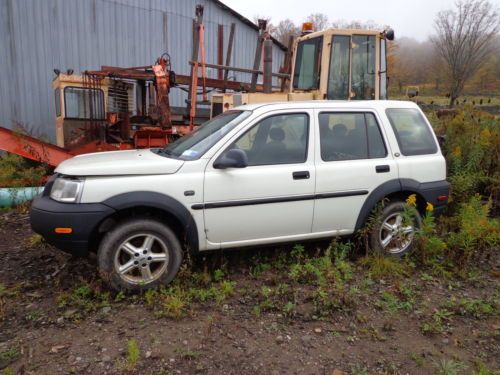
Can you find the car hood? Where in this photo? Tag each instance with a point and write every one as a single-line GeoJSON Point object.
{"type": "Point", "coordinates": [129, 162]}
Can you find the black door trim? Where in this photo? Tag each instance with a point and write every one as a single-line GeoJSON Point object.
{"type": "Point", "coordinates": [294, 198]}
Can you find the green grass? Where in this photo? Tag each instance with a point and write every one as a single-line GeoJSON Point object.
{"type": "Point", "coordinates": [450, 367]}
{"type": "Point", "coordinates": [380, 266]}
{"type": "Point", "coordinates": [85, 299]}
{"type": "Point", "coordinates": [132, 357]}
{"type": "Point", "coordinates": [9, 354]}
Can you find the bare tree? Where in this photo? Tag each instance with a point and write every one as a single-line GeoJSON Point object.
{"type": "Point", "coordinates": [369, 25]}
{"type": "Point", "coordinates": [320, 21]}
{"type": "Point", "coordinates": [465, 39]}
{"type": "Point", "coordinates": [284, 30]}
{"type": "Point", "coordinates": [270, 27]}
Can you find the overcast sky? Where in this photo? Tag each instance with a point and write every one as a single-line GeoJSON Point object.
{"type": "Point", "coordinates": [410, 18]}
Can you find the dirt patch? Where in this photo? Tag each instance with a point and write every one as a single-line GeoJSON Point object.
{"type": "Point", "coordinates": [56, 317]}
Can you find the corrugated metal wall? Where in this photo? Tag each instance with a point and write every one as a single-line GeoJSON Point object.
{"type": "Point", "coordinates": [38, 36]}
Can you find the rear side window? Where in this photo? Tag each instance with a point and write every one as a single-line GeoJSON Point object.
{"type": "Point", "coordinates": [350, 136]}
{"type": "Point", "coordinates": [412, 132]}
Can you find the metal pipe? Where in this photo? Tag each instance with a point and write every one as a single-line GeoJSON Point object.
{"type": "Point", "coordinates": [242, 70]}
{"type": "Point", "coordinates": [268, 65]}
{"type": "Point", "coordinates": [13, 196]}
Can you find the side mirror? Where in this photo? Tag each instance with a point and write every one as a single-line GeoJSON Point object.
{"type": "Point", "coordinates": [389, 34]}
{"type": "Point", "coordinates": [234, 158]}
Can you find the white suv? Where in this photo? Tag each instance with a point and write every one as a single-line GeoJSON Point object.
{"type": "Point", "coordinates": [259, 174]}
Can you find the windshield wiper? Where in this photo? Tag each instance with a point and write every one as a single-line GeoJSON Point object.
{"type": "Point", "coordinates": [165, 152]}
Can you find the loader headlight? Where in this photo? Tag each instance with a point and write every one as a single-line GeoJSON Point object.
{"type": "Point", "coordinates": [67, 190]}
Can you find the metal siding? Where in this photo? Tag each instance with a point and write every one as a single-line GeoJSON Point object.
{"type": "Point", "coordinates": [38, 36]}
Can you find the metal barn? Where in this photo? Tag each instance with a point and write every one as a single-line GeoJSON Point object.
{"type": "Point", "coordinates": [37, 37]}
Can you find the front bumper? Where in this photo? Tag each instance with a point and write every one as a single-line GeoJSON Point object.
{"type": "Point", "coordinates": [84, 218]}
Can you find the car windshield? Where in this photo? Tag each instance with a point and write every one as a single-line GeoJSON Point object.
{"type": "Point", "coordinates": [194, 145]}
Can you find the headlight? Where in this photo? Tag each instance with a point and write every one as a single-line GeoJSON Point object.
{"type": "Point", "coordinates": [67, 190]}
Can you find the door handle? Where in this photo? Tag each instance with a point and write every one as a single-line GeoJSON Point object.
{"type": "Point", "coordinates": [300, 175]}
{"type": "Point", "coordinates": [382, 168]}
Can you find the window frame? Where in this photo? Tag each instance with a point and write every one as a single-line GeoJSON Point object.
{"type": "Point", "coordinates": [428, 127]}
{"type": "Point", "coordinates": [319, 40]}
{"type": "Point", "coordinates": [364, 112]}
{"type": "Point", "coordinates": [265, 117]}
{"type": "Point", "coordinates": [84, 118]}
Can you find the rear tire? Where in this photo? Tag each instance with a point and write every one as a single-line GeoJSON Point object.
{"type": "Point", "coordinates": [139, 254]}
{"type": "Point", "coordinates": [390, 235]}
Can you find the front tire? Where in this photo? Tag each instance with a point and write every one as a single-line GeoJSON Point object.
{"type": "Point", "coordinates": [139, 254]}
{"type": "Point", "coordinates": [393, 233]}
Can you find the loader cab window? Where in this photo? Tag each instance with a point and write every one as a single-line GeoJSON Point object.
{"type": "Point", "coordinates": [363, 67]}
{"type": "Point", "coordinates": [306, 74]}
{"type": "Point", "coordinates": [57, 99]}
{"type": "Point", "coordinates": [83, 103]}
{"type": "Point", "coordinates": [383, 69]}
{"type": "Point", "coordinates": [338, 76]}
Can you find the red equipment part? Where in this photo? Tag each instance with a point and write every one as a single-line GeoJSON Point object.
{"type": "Point", "coordinates": [32, 148]}
{"type": "Point", "coordinates": [152, 137]}
{"type": "Point", "coordinates": [43, 152]}
{"type": "Point", "coordinates": [162, 89]}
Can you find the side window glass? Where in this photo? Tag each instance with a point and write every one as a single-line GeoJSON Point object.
{"type": "Point", "coordinates": [307, 64]}
{"type": "Point", "coordinates": [412, 132]}
{"type": "Point", "coordinates": [363, 67]}
{"type": "Point", "coordinates": [280, 139]}
{"type": "Point", "coordinates": [376, 146]}
{"type": "Point", "coordinates": [83, 103]}
{"type": "Point", "coordinates": [338, 76]}
{"type": "Point", "coordinates": [348, 136]}
{"type": "Point", "coordinates": [57, 98]}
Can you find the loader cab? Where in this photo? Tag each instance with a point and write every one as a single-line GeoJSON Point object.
{"type": "Point", "coordinates": [341, 64]}
{"type": "Point", "coordinates": [106, 113]}
{"type": "Point", "coordinates": [76, 106]}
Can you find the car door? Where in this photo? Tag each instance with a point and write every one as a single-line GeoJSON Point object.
{"type": "Point", "coordinates": [271, 199]}
{"type": "Point", "coordinates": [352, 159]}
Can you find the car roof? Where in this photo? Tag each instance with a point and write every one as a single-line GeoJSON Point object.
{"type": "Point", "coordinates": [333, 104]}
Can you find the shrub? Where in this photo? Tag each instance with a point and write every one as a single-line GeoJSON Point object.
{"type": "Point", "coordinates": [476, 234]}
{"type": "Point", "coordinates": [472, 151]}
{"type": "Point", "coordinates": [16, 171]}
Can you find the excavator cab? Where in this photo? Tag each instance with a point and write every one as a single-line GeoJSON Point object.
{"type": "Point", "coordinates": [332, 64]}
{"type": "Point", "coordinates": [341, 64]}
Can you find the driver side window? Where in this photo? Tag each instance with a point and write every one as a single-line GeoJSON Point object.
{"type": "Point", "coordinates": [279, 139]}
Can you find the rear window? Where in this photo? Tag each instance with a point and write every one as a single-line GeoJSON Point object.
{"type": "Point", "coordinates": [412, 132]}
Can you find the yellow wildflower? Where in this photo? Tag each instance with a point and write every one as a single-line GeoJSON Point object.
{"type": "Point", "coordinates": [412, 200]}
{"type": "Point", "coordinates": [457, 152]}
{"type": "Point", "coordinates": [429, 207]}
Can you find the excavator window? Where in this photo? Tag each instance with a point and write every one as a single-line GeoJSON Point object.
{"type": "Point", "coordinates": [363, 67]}
{"type": "Point", "coordinates": [83, 103]}
{"type": "Point", "coordinates": [383, 69]}
{"type": "Point", "coordinates": [338, 75]}
{"type": "Point", "coordinates": [57, 99]}
{"type": "Point", "coordinates": [306, 74]}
